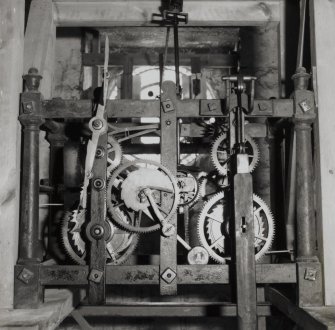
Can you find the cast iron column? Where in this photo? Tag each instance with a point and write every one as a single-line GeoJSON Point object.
{"type": "Point", "coordinates": [31, 120]}
{"type": "Point", "coordinates": [28, 292]}
{"type": "Point", "coordinates": [309, 274]}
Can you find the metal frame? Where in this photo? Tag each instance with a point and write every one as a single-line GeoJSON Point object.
{"type": "Point", "coordinates": [31, 276]}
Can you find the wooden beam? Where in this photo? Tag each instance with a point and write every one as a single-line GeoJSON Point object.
{"type": "Point", "coordinates": [40, 28]}
{"type": "Point", "coordinates": [168, 309]}
{"type": "Point", "coordinates": [323, 54]}
{"type": "Point", "coordinates": [139, 13]}
{"type": "Point", "coordinates": [298, 315]}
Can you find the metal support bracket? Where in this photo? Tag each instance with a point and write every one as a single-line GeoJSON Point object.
{"type": "Point", "coordinates": [28, 292]}
{"type": "Point", "coordinates": [169, 150]}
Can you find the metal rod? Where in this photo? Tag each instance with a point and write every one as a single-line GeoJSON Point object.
{"type": "Point", "coordinates": [300, 55]}
{"type": "Point", "coordinates": [176, 56]}
{"type": "Point", "coordinates": [290, 195]}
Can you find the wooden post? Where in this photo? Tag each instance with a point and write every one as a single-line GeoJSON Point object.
{"type": "Point", "coordinates": [11, 68]}
{"type": "Point", "coordinates": [244, 251]}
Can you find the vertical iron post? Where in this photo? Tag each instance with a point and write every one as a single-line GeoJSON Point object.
{"type": "Point", "coordinates": [28, 292]}
{"type": "Point", "coordinates": [31, 120]}
{"type": "Point", "coordinates": [309, 272]}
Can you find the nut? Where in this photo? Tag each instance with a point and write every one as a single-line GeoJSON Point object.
{"type": "Point", "coordinates": [100, 152]}
{"type": "Point", "coordinates": [305, 106]}
{"type": "Point", "coordinates": [97, 124]}
{"type": "Point", "coordinates": [168, 275]}
{"type": "Point", "coordinates": [310, 274]}
{"type": "Point", "coordinates": [25, 275]}
{"type": "Point", "coordinates": [95, 276]}
{"type": "Point", "coordinates": [167, 106]}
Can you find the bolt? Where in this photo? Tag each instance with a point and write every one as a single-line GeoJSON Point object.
{"type": "Point", "coordinates": [97, 124]}
{"type": "Point", "coordinates": [97, 231]}
{"type": "Point", "coordinates": [99, 184]}
{"type": "Point", "coordinates": [167, 105]}
{"type": "Point", "coordinates": [100, 152]}
{"type": "Point", "coordinates": [168, 122]}
{"type": "Point", "coordinates": [96, 275]}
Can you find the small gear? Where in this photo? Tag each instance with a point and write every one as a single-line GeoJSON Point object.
{"type": "Point", "coordinates": [213, 228]}
{"type": "Point", "coordinates": [189, 187]}
{"type": "Point", "coordinates": [114, 154]}
{"type": "Point", "coordinates": [119, 245]}
{"type": "Point", "coordinates": [220, 153]}
{"type": "Point", "coordinates": [209, 185]}
{"type": "Point", "coordinates": [126, 189]}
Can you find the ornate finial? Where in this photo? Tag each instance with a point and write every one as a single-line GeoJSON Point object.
{"type": "Point", "coordinates": [32, 80]}
{"type": "Point", "coordinates": [301, 79]}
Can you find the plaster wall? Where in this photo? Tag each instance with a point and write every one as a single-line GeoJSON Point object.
{"type": "Point", "coordinates": [11, 66]}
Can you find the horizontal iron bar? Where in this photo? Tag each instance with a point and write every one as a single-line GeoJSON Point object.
{"type": "Point", "coordinates": [149, 275]}
{"type": "Point", "coordinates": [139, 13]}
{"type": "Point", "coordinates": [169, 310]}
{"type": "Point", "coordinates": [59, 108]}
{"type": "Point", "coordinates": [143, 58]}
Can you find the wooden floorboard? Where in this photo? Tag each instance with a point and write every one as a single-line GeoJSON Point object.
{"type": "Point", "coordinates": [324, 314]}
{"type": "Point", "coordinates": [58, 304]}
{"type": "Point", "coordinates": [308, 318]}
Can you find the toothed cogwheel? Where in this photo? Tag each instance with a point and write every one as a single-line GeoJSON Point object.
{"type": "Point", "coordinates": [213, 228]}
{"type": "Point", "coordinates": [70, 236]}
{"type": "Point", "coordinates": [114, 154]}
{"type": "Point", "coordinates": [125, 189]}
{"type": "Point", "coordinates": [119, 245]}
{"type": "Point", "coordinates": [188, 189]}
{"type": "Point", "coordinates": [220, 153]}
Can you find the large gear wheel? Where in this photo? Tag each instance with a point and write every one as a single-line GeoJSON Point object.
{"type": "Point", "coordinates": [126, 188]}
{"type": "Point", "coordinates": [213, 228]}
{"type": "Point", "coordinates": [220, 153]}
{"type": "Point", "coordinates": [119, 245]}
